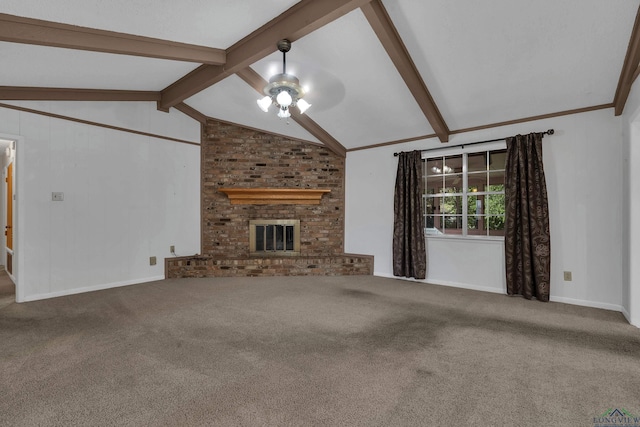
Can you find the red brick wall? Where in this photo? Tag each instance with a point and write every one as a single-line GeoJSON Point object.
{"type": "Point", "coordinates": [237, 157]}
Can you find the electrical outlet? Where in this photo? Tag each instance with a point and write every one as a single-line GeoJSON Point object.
{"type": "Point", "coordinates": [152, 260]}
{"type": "Point", "coordinates": [172, 249]}
{"type": "Point", "coordinates": [567, 276]}
{"type": "Point", "coordinates": [57, 196]}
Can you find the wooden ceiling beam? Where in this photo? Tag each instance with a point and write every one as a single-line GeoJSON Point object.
{"type": "Point", "coordinates": [316, 130]}
{"type": "Point", "coordinates": [253, 79]}
{"type": "Point", "coordinates": [298, 21]}
{"type": "Point", "coordinates": [192, 112]}
{"type": "Point", "coordinates": [382, 25]}
{"type": "Point", "coordinates": [16, 29]}
{"type": "Point", "coordinates": [256, 81]}
{"type": "Point", "coordinates": [20, 93]}
{"type": "Point", "coordinates": [629, 68]}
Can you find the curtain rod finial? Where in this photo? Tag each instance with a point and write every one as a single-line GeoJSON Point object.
{"type": "Point", "coordinates": [551, 132]}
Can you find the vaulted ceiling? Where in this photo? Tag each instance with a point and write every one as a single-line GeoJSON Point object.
{"type": "Point", "coordinates": [377, 71]}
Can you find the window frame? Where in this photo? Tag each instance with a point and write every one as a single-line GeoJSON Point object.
{"type": "Point", "coordinates": [463, 151]}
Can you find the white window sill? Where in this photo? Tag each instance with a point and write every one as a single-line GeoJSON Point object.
{"type": "Point", "coordinates": [477, 239]}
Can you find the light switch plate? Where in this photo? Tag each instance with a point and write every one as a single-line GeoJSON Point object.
{"type": "Point", "coordinates": [57, 196]}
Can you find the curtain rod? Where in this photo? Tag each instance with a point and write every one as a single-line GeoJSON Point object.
{"type": "Point", "coordinates": [549, 132]}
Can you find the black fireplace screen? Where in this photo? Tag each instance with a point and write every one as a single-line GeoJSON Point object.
{"type": "Point", "coordinates": [274, 238]}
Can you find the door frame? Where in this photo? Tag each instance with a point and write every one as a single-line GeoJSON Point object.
{"type": "Point", "coordinates": [18, 239]}
{"type": "Point", "coordinates": [8, 217]}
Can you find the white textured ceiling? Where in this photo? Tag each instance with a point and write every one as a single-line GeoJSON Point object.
{"type": "Point", "coordinates": [483, 62]}
{"type": "Point", "coordinates": [496, 60]}
{"type": "Point", "coordinates": [214, 23]}
{"type": "Point", "coordinates": [39, 66]}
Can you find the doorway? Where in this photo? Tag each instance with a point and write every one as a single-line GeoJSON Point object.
{"type": "Point", "coordinates": [7, 206]}
{"type": "Point", "coordinates": [8, 228]}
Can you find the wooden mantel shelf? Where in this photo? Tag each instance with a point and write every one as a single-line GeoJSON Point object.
{"type": "Point", "coordinates": [274, 196]}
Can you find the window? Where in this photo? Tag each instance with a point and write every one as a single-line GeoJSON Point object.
{"type": "Point", "coordinates": [464, 191]}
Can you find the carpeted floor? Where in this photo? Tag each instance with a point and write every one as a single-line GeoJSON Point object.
{"type": "Point", "coordinates": [312, 351]}
{"type": "Point", "coordinates": [7, 289]}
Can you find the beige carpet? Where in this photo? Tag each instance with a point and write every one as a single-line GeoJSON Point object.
{"type": "Point", "coordinates": [321, 351]}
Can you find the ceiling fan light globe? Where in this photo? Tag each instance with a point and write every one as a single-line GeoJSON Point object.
{"type": "Point", "coordinates": [302, 105]}
{"type": "Point", "coordinates": [284, 99]}
{"type": "Point", "coordinates": [284, 113]}
{"type": "Point", "coordinates": [264, 103]}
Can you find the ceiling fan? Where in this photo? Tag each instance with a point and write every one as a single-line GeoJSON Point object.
{"type": "Point", "coordinates": [284, 90]}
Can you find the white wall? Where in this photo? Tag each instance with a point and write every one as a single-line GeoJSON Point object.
{"type": "Point", "coordinates": [126, 196]}
{"type": "Point", "coordinates": [583, 167]}
{"type": "Point", "coordinates": [631, 241]}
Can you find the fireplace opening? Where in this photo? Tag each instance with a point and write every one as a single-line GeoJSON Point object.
{"type": "Point", "coordinates": [274, 237]}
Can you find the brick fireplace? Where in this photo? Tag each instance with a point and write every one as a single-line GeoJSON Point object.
{"type": "Point", "coordinates": [251, 162]}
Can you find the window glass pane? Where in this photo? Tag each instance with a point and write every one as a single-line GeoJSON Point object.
{"type": "Point", "coordinates": [453, 183]}
{"type": "Point", "coordinates": [497, 159]}
{"type": "Point", "coordinates": [477, 162]}
{"type": "Point", "coordinates": [496, 178]}
{"type": "Point", "coordinates": [434, 185]}
{"type": "Point", "coordinates": [430, 206]}
{"type": "Point", "coordinates": [496, 188]}
{"type": "Point", "coordinates": [495, 225]}
{"type": "Point", "coordinates": [476, 181]}
{"type": "Point", "coordinates": [475, 205]}
{"type": "Point", "coordinates": [453, 224]}
{"type": "Point", "coordinates": [451, 205]}
{"type": "Point", "coordinates": [434, 166]}
{"type": "Point", "coordinates": [433, 205]}
{"type": "Point", "coordinates": [452, 164]}
{"type": "Point", "coordinates": [289, 244]}
{"type": "Point", "coordinates": [476, 225]}
{"type": "Point", "coordinates": [269, 238]}
{"type": "Point", "coordinates": [435, 224]}
{"type": "Point", "coordinates": [430, 222]}
{"type": "Point", "coordinates": [279, 237]}
{"type": "Point", "coordinates": [495, 204]}
{"type": "Point", "coordinates": [259, 237]}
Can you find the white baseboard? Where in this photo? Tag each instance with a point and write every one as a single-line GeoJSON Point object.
{"type": "Point", "coordinates": [564, 300]}
{"type": "Point", "coordinates": [91, 288]}
{"type": "Point", "coordinates": [445, 283]}
{"type": "Point", "coordinates": [626, 315]}
{"type": "Point", "coordinates": [585, 303]}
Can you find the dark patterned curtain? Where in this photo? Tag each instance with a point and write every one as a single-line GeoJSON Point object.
{"type": "Point", "coordinates": [527, 239]}
{"type": "Point", "coordinates": [409, 252]}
